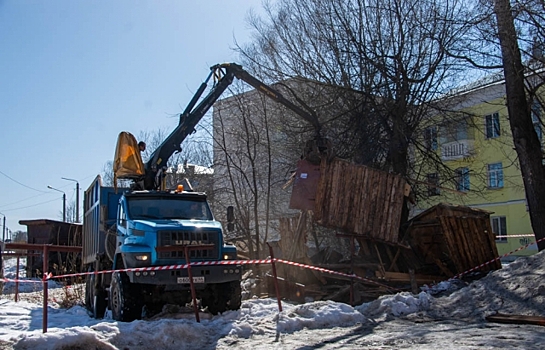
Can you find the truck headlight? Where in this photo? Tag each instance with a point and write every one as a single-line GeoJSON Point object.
{"type": "Point", "coordinates": [230, 256]}
{"type": "Point", "coordinates": [142, 257]}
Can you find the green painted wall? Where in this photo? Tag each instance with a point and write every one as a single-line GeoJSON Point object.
{"type": "Point", "coordinates": [508, 201]}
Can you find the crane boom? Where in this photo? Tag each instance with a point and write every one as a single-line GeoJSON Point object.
{"type": "Point", "coordinates": [223, 75]}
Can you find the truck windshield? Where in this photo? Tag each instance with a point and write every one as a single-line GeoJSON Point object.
{"type": "Point", "coordinates": [168, 208]}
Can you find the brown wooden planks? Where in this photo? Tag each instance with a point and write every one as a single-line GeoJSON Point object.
{"type": "Point", "coordinates": [360, 200]}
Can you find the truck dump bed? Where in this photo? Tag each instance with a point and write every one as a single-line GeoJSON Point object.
{"type": "Point", "coordinates": [100, 211]}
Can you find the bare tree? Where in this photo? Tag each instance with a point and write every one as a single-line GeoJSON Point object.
{"type": "Point", "coordinates": [509, 35]}
{"type": "Point", "coordinates": [246, 166]}
{"type": "Point", "coordinates": [71, 212]}
{"type": "Point", "coordinates": [20, 237]}
{"type": "Point", "coordinates": [387, 61]}
{"type": "Point", "coordinates": [525, 138]}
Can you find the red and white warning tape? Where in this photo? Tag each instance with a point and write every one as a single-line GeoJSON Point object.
{"type": "Point", "coordinates": [334, 273]}
{"type": "Point", "coordinates": [513, 236]}
{"type": "Point", "coordinates": [171, 267]}
{"type": "Point", "coordinates": [19, 280]}
{"type": "Point", "coordinates": [211, 263]}
{"type": "Point", "coordinates": [48, 276]}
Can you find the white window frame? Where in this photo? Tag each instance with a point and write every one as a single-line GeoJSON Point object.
{"type": "Point", "coordinates": [492, 125]}
{"type": "Point", "coordinates": [462, 179]}
{"type": "Point", "coordinates": [499, 228]}
{"type": "Point", "coordinates": [495, 175]}
{"type": "Point", "coordinates": [430, 136]}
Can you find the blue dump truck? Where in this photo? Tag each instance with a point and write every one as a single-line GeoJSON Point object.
{"type": "Point", "coordinates": [126, 228]}
{"type": "Point", "coordinates": [149, 225]}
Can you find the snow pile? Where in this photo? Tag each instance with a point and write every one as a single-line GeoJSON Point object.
{"type": "Point", "coordinates": [517, 289]}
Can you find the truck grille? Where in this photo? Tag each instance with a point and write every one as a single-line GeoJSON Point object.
{"type": "Point", "coordinates": [190, 238]}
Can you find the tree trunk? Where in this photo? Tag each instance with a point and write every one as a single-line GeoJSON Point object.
{"type": "Point", "coordinates": [527, 144]}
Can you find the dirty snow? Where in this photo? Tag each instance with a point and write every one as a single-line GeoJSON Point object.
{"type": "Point", "coordinates": [450, 315]}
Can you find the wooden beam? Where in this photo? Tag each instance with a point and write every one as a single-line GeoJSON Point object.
{"type": "Point", "coordinates": [405, 277]}
{"type": "Point", "coordinates": [517, 319]}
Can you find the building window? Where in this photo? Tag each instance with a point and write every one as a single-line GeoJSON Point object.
{"type": "Point", "coordinates": [495, 175]}
{"type": "Point", "coordinates": [456, 130]}
{"type": "Point", "coordinates": [430, 136]}
{"type": "Point", "coordinates": [492, 125]}
{"type": "Point", "coordinates": [433, 184]}
{"type": "Point", "coordinates": [499, 228]}
{"type": "Point", "coordinates": [462, 179]}
{"type": "Point", "coordinates": [536, 119]}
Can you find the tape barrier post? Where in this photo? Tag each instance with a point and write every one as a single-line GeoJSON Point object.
{"type": "Point", "coordinates": [44, 270]}
{"type": "Point", "coordinates": [17, 281]}
{"type": "Point", "coordinates": [277, 290]}
{"type": "Point", "coordinates": [191, 284]}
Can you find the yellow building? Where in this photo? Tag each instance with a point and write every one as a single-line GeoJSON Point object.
{"type": "Point", "coordinates": [472, 137]}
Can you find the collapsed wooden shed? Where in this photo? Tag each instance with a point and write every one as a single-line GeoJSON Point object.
{"type": "Point", "coordinates": [453, 239]}
{"type": "Point", "coordinates": [366, 206]}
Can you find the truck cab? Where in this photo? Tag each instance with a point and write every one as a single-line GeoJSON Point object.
{"type": "Point", "coordinates": [147, 238]}
{"type": "Point", "coordinates": [153, 226]}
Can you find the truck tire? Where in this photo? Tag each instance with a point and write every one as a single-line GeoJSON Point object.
{"type": "Point", "coordinates": [222, 297]}
{"type": "Point", "coordinates": [88, 292]}
{"type": "Point", "coordinates": [95, 298]}
{"type": "Point", "coordinates": [125, 298]}
{"type": "Point", "coordinates": [99, 304]}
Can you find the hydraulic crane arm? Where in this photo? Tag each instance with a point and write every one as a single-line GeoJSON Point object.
{"type": "Point", "coordinates": [223, 75]}
{"type": "Point", "coordinates": [309, 115]}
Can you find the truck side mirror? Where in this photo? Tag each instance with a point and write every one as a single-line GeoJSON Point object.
{"type": "Point", "coordinates": [230, 214]}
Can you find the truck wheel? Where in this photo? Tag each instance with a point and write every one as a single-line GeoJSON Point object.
{"type": "Point", "coordinates": [125, 298]}
{"type": "Point", "coordinates": [88, 285]}
{"type": "Point", "coordinates": [95, 298]}
{"type": "Point", "coordinates": [99, 304]}
{"type": "Point", "coordinates": [235, 295]}
{"type": "Point", "coordinates": [222, 297]}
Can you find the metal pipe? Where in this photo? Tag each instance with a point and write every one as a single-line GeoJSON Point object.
{"type": "Point", "coordinates": [277, 290]}
{"type": "Point", "coordinates": [45, 267]}
{"type": "Point", "coordinates": [17, 280]}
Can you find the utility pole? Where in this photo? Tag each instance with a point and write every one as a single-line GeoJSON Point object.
{"type": "Point", "coordinates": [77, 202]}
{"type": "Point", "coordinates": [63, 202]}
{"type": "Point", "coordinates": [77, 196]}
{"type": "Point", "coordinates": [4, 229]}
{"type": "Point", "coordinates": [64, 207]}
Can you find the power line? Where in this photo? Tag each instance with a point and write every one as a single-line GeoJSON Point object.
{"type": "Point", "coordinates": [22, 200]}
{"type": "Point", "coordinates": [30, 206]}
{"type": "Point", "coordinates": [43, 193]}
{"type": "Point", "coordinates": [12, 179]}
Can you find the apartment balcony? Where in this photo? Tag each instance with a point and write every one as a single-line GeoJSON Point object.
{"type": "Point", "coordinates": [457, 149]}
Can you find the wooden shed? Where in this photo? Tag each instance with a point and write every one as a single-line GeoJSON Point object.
{"type": "Point", "coordinates": [360, 200]}
{"type": "Point", "coordinates": [453, 238]}
{"type": "Point", "coordinates": [45, 231]}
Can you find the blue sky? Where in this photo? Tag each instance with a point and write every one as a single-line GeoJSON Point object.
{"type": "Point", "coordinates": [73, 74]}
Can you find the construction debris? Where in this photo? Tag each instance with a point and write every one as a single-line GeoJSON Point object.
{"type": "Point", "coordinates": [364, 207]}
